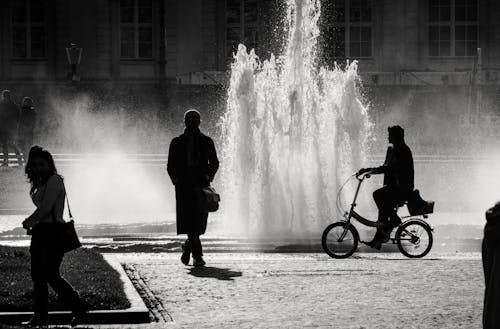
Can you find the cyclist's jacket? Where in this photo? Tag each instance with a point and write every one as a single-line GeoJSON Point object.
{"type": "Point", "coordinates": [398, 168]}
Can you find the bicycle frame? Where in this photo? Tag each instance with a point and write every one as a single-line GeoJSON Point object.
{"type": "Point", "coordinates": [354, 214]}
{"type": "Point", "coordinates": [365, 221]}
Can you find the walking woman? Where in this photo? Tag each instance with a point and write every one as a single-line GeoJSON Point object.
{"type": "Point", "coordinates": [48, 195]}
{"type": "Point", "coordinates": [192, 164]}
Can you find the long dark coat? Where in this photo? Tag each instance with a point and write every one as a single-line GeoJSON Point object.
{"type": "Point", "coordinates": [491, 267]}
{"type": "Point", "coordinates": [187, 177]}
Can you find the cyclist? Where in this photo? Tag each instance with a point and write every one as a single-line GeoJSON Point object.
{"type": "Point", "coordinates": [398, 184]}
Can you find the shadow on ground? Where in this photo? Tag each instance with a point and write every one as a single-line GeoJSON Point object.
{"type": "Point", "coordinates": [214, 272]}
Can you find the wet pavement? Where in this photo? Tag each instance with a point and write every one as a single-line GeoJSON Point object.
{"type": "Point", "coordinates": [271, 290]}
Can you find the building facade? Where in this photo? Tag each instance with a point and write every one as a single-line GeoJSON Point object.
{"type": "Point", "coordinates": [418, 55]}
{"type": "Point", "coordinates": [122, 39]}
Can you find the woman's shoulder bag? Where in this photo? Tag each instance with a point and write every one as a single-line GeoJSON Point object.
{"type": "Point", "coordinates": [68, 238]}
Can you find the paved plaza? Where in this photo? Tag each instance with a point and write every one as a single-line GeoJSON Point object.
{"type": "Point", "coordinates": [272, 290]}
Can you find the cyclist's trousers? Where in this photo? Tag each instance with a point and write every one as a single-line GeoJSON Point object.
{"type": "Point", "coordinates": [387, 199]}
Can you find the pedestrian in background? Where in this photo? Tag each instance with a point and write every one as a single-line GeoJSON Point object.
{"type": "Point", "coordinates": [9, 122]}
{"type": "Point", "coordinates": [48, 194]}
{"type": "Point", "coordinates": [491, 267]}
{"type": "Point", "coordinates": [192, 164]}
{"type": "Point", "coordinates": [27, 124]}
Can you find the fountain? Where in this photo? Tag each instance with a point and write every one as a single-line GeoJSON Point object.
{"type": "Point", "coordinates": [292, 132]}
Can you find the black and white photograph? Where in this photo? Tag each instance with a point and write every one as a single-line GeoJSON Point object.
{"type": "Point", "coordinates": [250, 164]}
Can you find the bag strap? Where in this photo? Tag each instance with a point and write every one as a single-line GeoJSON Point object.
{"type": "Point", "coordinates": [67, 202]}
{"type": "Point", "coordinates": [69, 209]}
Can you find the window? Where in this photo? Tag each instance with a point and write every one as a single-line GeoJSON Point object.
{"type": "Point", "coordinates": [361, 39]}
{"type": "Point", "coordinates": [136, 29]}
{"type": "Point", "coordinates": [28, 29]}
{"type": "Point", "coordinates": [453, 28]}
{"type": "Point", "coordinates": [440, 10]}
{"type": "Point", "coordinates": [349, 28]}
{"type": "Point", "coordinates": [439, 40]}
{"type": "Point", "coordinates": [242, 21]}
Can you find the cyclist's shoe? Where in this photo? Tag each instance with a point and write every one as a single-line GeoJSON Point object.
{"type": "Point", "coordinates": [375, 244]}
{"type": "Point", "coordinates": [385, 236]}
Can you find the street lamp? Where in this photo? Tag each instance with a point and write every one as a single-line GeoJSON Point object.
{"type": "Point", "coordinates": [74, 53]}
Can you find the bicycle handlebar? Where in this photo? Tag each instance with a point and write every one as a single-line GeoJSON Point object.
{"type": "Point", "coordinates": [364, 175]}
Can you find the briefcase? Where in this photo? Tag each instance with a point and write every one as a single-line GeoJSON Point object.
{"type": "Point", "coordinates": [208, 199]}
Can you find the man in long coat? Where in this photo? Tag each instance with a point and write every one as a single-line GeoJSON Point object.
{"type": "Point", "coordinates": [192, 164]}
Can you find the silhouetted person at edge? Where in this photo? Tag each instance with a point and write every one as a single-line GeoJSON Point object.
{"type": "Point", "coordinates": [398, 184]}
{"type": "Point", "coordinates": [48, 194]}
{"type": "Point", "coordinates": [9, 121]}
{"type": "Point", "coordinates": [27, 122]}
{"type": "Point", "coordinates": [192, 163]}
{"type": "Point", "coordinates": [491, 267]}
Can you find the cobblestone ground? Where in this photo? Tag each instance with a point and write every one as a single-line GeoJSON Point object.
{"type": "Point", "coordinates": [314, 291]}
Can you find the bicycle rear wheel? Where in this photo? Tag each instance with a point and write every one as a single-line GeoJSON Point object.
{"type": "Point", "coordinates": [340, 240]}
{"type": "Point", "coordinates": [414, 239]}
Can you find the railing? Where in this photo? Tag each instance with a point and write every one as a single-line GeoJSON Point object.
{"type": "Point", "coordinates": [75, 159]}
{"type": "Point", "coordinates": [160, 159]}
{"type": "Point", "coordinates": [441, 158]}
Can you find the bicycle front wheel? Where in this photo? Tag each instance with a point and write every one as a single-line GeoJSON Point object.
{"type": "Point", "coordinates": [414, 239]}
{"type": "Point", "coordinates": [340, 240]}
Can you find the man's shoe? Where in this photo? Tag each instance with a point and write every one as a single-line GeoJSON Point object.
{"type": "Point", "coordinates": [198, 262]}
{"type": "Point", "coordinates": [186, 254]}
{"type": "Point", "coordinates": [36, 321]}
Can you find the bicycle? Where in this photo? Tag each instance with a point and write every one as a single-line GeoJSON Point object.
{"type": "Point", "coordinates": [340, 239]}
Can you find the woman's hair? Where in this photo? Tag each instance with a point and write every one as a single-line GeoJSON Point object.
{"type": "Point", "coordinates": [34, 180]}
